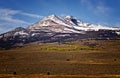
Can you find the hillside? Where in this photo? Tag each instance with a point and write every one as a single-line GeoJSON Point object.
{"type": "Point", "coordinates": [56, 29]}
{"type": "Point", "coordinates": [88, 57]}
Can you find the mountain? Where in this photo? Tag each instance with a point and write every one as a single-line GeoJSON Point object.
{"type": "Point", "coordinates": [17, 31]}
{"type": "Point", "coordinates": [56, 29]}
{"type": "Point", "coordinates": [67, 24]}
{"type": "Point", "coordinates": [53, 23]}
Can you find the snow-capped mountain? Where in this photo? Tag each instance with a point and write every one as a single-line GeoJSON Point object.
{"type": "Point", "coordinates": [55, 24]}
{"type": "Point", "coordinates": [56, 29]}
{"type": "Point", "coordinates": [19, 31]}
{"type": "Point", "coordinates": [67, 24]}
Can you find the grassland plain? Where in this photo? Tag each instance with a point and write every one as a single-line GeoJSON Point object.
{"type": "Point", "coordinates": [88, 57]}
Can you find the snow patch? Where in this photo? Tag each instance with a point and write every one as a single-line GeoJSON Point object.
{"type": "Point", "coordinates": [21, 33]}
{"type": "Point", "coordinates": [118, 33]}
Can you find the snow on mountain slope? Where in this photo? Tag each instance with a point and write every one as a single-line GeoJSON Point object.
{"type": "Point", "coordinates": [57, 29]}
{"type": "Point", "coordinates": [56, 19]}
{"type": "Point", "coordinates": [78, 24]}
{"type": "Point", "coordinates": [54, 24]}
{"type": "Point", "coordinates": [67, 24]}
{"type": "Point", "coordinates": [74, 21]}
{"type": "Point", "coordinates": [21, 33]}
{"type": "Point", "coordinates": [70, 20]}
{"type": "Point", "coordinates": [118, 33]}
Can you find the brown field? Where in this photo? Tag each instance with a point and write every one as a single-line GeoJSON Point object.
{"type": "Point", "coordinates": [96, 58]}
{"type": "Point", "coordinates": [54, 76]}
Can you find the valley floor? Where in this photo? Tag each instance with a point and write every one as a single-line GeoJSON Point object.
{"type": "Point", "coordinates": [88, 57]}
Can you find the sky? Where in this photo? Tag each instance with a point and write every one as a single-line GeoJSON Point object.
{"type": "Point", "coordinates": [22, 13]}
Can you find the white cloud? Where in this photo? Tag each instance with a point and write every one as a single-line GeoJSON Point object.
{"type": "Point", "coordinates": [9, 21]}
{"type": "Point", "coordinates": [31, 15]}
{"type": "Point", "coordinates": [12, 20]}
{"type": "Point", "coordinates": [7, 15]}
{"type": "Point", "coordinates": [8, 11]}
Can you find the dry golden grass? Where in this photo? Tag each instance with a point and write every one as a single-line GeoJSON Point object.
{"type": "Point", "coordinates": [74, 46]}
{"type": "Point", "coordinates": [68, 60]}
{"type": "Point", "coordinates": [55, 76]}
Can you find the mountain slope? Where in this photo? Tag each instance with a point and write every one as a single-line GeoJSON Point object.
{"type": "Point", "coordinates": [54, 24]}
{"type": "Point", "coordinates": [68, 24]}
{"type": "Point", "coordinates": [57, 29]}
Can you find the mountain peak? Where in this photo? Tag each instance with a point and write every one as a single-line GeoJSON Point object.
{"type": "Point", "coordinates": [53, 16]}
{"type": "Point", "coordinates": [70, 17]}
{"type": "Point", "coordinates": [55, 28]}
{"type": "Point", "coordinates": [67, 22]}
{"type": "Point", "coordinates": [19, 28]}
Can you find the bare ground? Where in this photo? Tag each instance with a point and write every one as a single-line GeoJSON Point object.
{"type": "Point", "coordinates": [101, 60]}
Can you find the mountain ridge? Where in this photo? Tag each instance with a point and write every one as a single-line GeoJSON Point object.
{"type": "Point", "coordinates": [68, 24]}
{"type": "Point", "coordinates": [56, 29]}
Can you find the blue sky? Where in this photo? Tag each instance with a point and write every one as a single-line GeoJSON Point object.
{"type": "Point", "coordinates": [16, 13]}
